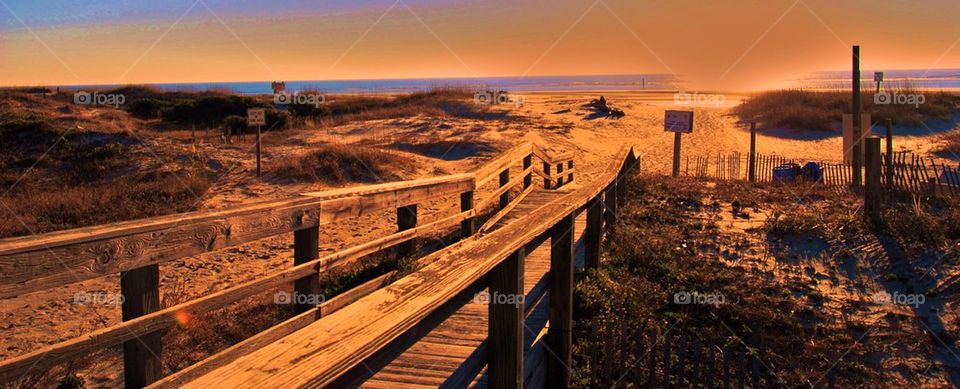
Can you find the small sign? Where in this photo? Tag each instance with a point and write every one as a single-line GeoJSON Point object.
{"type": "Point", "coordinates": [278, 86]}
{"type": "Point", "coordinates": [678, 121]}
{"type": "Point", "coordinates": [256, 117]}
{"type": "Point", "coordinates": [877, 76]}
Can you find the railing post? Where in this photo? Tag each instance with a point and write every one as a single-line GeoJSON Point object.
{"type": "Point", "coordinates": [140, 289]}
{"type": "Point", "coordinates": [889, 160]}
{"type": "Point", "coordinates": [306, 248]}
{"type": "Point", "coordinates": [559, 174]}
{"type": "Point", "coordinates": [406, 219]}
{"type": "Point", "coordinates": [468, 226]}
{"type": "Point", "coordinates": [610, 199]}
{"type": "Point", "coordinates": [528, 179]}
{"type": "Point", "coordinates": [570, 168]}
{"type": "Point", "coordinates": [871, 194]}
{"type": "Point", "coordinates": [546, 173]}
{"type": "Point", "coordinates": [560, 335]}
{"type": "Point", "coordinates": [504, 180]}
{"type": "Point", "coordinates": [505, 325]}
{"type": "Point", "coordinates": [593, 233]}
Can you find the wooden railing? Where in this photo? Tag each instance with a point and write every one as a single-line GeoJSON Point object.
{"type": "Point", "coordinates": [370, 329]}
{"type": "Point", "coordinates": [136, 248]}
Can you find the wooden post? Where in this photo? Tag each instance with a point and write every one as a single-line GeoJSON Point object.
{"type": "Point", "coordinates": [610, 199]}
{"type": "Point", "coordinates": [140, 289]}
{"type": "Point", "coordinates": [889, 159]}
{"type": "Point", "coordinates": [871, 196]}
{"type": "Point", "coordinates": [593, 233]}
{"type": "Point", "coordinates": [857, 147]}
{"type": "Point", "coordinates": [560, 334]}
{"type": "Point", "coordinates": [752, 163]}
{"type": "Point", "coordinates": [505, 325]}
{"type": "Point", "coordinates": [258, 151]}
{"type": "Point", "coordinates": [468, 226]}
{"type": "Point", "coordinates": [570, 168]}
{"type": "Point", "coordinates": [504, 180]}
{"type": "Point", "coordinates": [546, 173]}
{"type": "Point", "coordinates": [676, 154]}
{"type": "Point", "coordinates": [306, 247]}
{"type": "Point", "coordinates": [559, 174]}
{"type": "Point", "coordinates": [528, 179]}
{"type": "Point", "coordinates": [407, 219]}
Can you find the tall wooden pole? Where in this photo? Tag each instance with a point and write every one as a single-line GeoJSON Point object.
{"type": "Point", "coordinates": [752, 163]}
{"type": "Point", "coordinates": [857, 147]}
{"type": "Point", "coordinates": [889, 158]}
{"type": "Point", "coordinates": [871, 194]}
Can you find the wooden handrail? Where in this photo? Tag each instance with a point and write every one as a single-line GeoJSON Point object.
{"type": "Point", "coordinates": [39, 262]}
{"type": "Point", "coordinates": [320, 352]}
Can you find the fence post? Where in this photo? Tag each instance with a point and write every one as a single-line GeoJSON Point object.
{"type": "Point", "coordinates": [871, 196]}
{"type": "Point", "coordinates": [752, 163]}
{"type": "Point", "coordinates": [560, 334]}
{"type": "Point", "coordinates": [406, 219]}
{"type": "Point", "coordinates": [306, 248]}
{"type": "Point", "coordinates": [140, 289]}
{"type": "Point", "coordinates": [889, 158]}
{"type": "Point", "coordinates": [570, 168]}
{"type": "Point", "coordinates": [505, 325]}
{"type": "Point", "coordinates": [468, 226]}
{"type": "Point", "coordinates": [546, 175]}
{"type": "Point", "coordinates": [857, 135]}
{"type": "Point", "coordinates": [593, 233]}
{"type": "Point", "coordinates": [527, 179]}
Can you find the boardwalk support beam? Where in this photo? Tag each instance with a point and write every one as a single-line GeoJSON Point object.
{"type": "Point", "coordinates": [546, 175]}
{"type": "Point", "coordinates": [593, 233]}
{"type": "Point", "coordinates": [610, 200]}
{"type": "Point", "coordinates": [469, 225]}
{"type": "Point", "coordinates": [560, 335]}
{"type": "Point", "coordinates": [140, 289]}
{"type": "Point", "coordinates": [406, 219]}
{"type": "Point", "coordinates": [505, 356]}
{"type": "Point", "coordinates": [504, 181]}
{"type": "Point", "coordinates": [306, 248]}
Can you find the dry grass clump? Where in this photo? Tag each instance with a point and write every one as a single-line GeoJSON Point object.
{"type": "Point", "coordinates": [339, 164]}
{"type": "Point", "coordinates": [55, 175]}
{"type": "Point", "coordinates": [801, 109]}
{"type": "Point", "coordinates": [435, 103]}
{"type": "Point", "coordinates": [952, 145]}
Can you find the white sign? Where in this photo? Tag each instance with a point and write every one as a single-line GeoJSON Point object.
{"type": "Point", "coordinates": [678, 121]}
{"type": "Point", "coordinates": [877, 76]}
{"type": "Point", "coordinates": [256, 117]}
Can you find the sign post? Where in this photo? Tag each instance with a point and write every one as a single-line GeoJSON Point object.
{"type": "Point", "coordinates": [678, 122]}
{"type": "Point", "coordinates": [257, 117]}
{"type": "Point", "coordinates": [857, 133]}
{"type": "Point", "coordinates": [878, 79]}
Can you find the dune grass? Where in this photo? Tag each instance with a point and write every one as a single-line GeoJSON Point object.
{"type": "Point", "coordinates": [801, 109]}
{"type": "Point", "coordinates": [336, 164]}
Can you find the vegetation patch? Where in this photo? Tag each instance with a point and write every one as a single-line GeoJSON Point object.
{"type": "Point", "coordinates": [340, 164]}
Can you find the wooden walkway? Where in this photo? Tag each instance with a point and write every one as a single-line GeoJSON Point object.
{"type": "Point", "coordinates": [452, 354]}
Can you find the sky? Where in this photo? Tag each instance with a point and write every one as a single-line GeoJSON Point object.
{"type": "Point", "coordinates": [730, 44]}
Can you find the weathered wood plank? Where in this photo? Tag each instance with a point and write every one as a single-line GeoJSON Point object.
{"type": "Point", "coordinates": [319, 353]}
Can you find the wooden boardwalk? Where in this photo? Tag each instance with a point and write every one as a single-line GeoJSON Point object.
{"type": "Point", "coordinates": [452, 354]}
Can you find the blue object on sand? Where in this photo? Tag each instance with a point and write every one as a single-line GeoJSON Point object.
{"type": "Point", "coordinates": [812, 172]}
{"type": "Point", "coordinates": [786, 173]}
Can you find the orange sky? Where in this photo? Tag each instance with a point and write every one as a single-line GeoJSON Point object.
{"type": "Point", "coordinates": [733, 44]}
